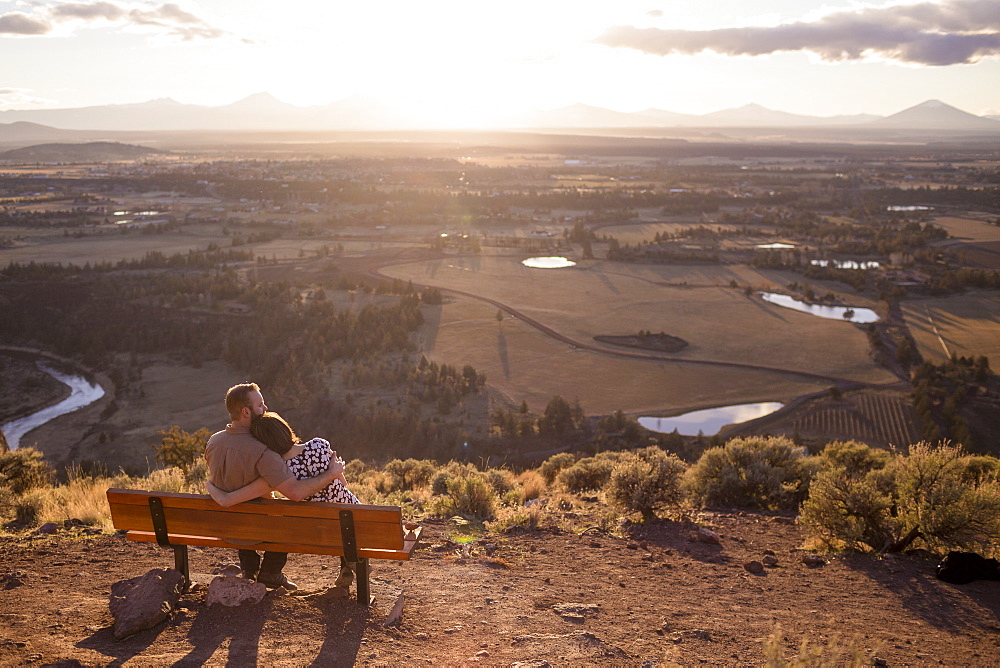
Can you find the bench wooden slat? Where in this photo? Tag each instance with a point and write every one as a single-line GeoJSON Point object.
{"type": "Point", "coordinates": [233, 524]}
{"type": "Point", "coordinates": [209, 541]}
{"type": "Point", "coordinates": [269, 507]}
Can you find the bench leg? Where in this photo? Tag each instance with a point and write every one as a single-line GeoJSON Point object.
{"type": "Point", "coordinates": [181, 563]}
{"type": "Point", "coordinates": [364, 590]}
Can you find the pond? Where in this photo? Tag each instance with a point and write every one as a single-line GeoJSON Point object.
{"type": "Point", "coordinates": [709, 421]}
{"type": "Point", "coordinates": [848, 313]}
{"type": "Point", "coordinates": [548, 262]}
{"type": "Point", "coordinates": [846, 264]}
{"type": "Point", "coordinates": [82, 393]}
{"type": "Point", "coordinates": [899, 207]}
{"type": "Point", "coordinates": [775, 246]}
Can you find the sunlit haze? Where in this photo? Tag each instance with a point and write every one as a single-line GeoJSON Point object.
{"type": "Point", "coordinates": [456, 63]}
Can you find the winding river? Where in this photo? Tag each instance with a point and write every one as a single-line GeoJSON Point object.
{"type": "Point", "coordinates": [82, 393]}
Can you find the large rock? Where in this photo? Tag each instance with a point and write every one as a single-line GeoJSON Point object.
{"type": "Point", "coordinates": [234, 591]}
{"type": "Point", "coordinates": [145, 601]}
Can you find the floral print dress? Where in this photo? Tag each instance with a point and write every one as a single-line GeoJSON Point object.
{"type": "Point", "coordinates": [312, 461]}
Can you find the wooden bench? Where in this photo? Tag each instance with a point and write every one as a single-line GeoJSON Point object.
{"type": "Point", "coordinates": [356, 532]}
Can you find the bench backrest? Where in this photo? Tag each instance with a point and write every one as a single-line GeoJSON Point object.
{"type": "Point", "coordinates": [295, 523]}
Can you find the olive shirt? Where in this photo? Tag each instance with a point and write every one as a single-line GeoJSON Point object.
{"type": "Point", "coordinates": [236, 459]}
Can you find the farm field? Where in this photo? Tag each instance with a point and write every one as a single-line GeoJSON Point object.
{"type": "Point", "coordinates": [967, 325]}
{"type": "Point", "coordinates": [525, 364]}
{"type": "Point", "coordinates": [53, 246]}
{"type": "Point", "coordinates": [968, 229]}
{"type": "Point", "coordinates": [720, 324]}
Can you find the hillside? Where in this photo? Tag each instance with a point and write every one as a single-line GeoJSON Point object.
{"type": "Point", "coordinates": [567, 594]}
{"type": "Point", "coordinates": [88, 152]}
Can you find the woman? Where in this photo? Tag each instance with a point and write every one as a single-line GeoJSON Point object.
{"type": "Point", "coordinates": [305, 460]}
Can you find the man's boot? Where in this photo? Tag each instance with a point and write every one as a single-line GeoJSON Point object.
{"type": "Point", "coordinates": [275, 580]}
{"type": "Point", "coordinates": [270, 571]}
{"type": "Point", "coordinates": [249, 564]}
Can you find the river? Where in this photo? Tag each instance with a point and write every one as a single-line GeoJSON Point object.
{"type": "Point", "coordinates": [82, 393]}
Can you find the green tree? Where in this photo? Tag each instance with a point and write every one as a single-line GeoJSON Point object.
{"type": "Point", "coordinates": [558, 418]}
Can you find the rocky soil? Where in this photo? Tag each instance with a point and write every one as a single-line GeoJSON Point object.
{"type": "Point", "coordinates": [652, 594]}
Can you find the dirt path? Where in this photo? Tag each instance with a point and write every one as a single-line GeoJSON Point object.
{"type": "Point", "coordinates": [656, 596]}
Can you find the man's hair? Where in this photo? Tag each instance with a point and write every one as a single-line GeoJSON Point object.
{"type": "Point", "coordinates": [236, 398]}
{"type": "Point", "coordinates": [272, 430]}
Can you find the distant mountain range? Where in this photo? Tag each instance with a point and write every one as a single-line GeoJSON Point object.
{"type": "Point", "coordinates": [264, 112]}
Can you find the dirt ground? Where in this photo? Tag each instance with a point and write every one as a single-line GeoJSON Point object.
{"type": "Point", "coordinates": [654, 595]}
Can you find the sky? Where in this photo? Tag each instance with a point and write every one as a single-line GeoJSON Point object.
{"type": "Point", "coordinates": [463, 62]}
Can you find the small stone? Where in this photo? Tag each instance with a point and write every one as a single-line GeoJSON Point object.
{"type": "Point", "coordinates": [709, 536]}
{"type": "Point", "coordinates": [770, 561]}
{"type": "Point", "coordinates": [632, 546]}
{"type": "Point", "coordinates": [48, 527]}
{"type": "Point", "coordinates": [396, 613]}
{"type": "Point", "coordinates": [754, 567]}
{"type": "Point", "coordinates": [422, 636]}
{"type": "Point", "coordinates": [813, 560]}
{"type": "Point", "coordinates": [482, 654]}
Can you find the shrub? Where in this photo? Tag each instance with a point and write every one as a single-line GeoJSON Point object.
{"type": "Point", "coordinates": [507, 518]}
{"type": "Point", "coordinates": [645, 481]}
{"type": "Point", "coordinates": [978, 468]}
{"type": "Point", "coordinates": [532, 485]}
{"type": "Point", "coordinates": [853, 457]}
{"type": "Point", "coordinates": [24, 469]}
{"type": "Point", "coordinates": [501, 480]}
{"type": "Point", "coordinates": [551, 467]}
{"type": "Point", "coordinates": [410, 473]}
{"type": "Point", "coordinates": [453, 470]}
{"type": "Point", "coordinates": [471, 496]}
{"type": "Point", "coordinates": [589, 473]}
{"type": "Point", "coordinates": [835, 654]}
{"type": "Point", "coordinates": [28, 507]}
{"type": "Point", "coordinates": [750, 472]}
{"type": "Point", "coordinates": [926, 494]}
{"type": "Point", "coordinates": [849, 511]}
{"type": "Point", "coordinates": [181, 449]}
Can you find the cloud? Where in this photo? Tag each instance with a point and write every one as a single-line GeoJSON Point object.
{"type": "Point", "coordinates": [19, 97]}
{"type": "Point", "coordinates": [168, 18]}
{"type": "Point", "coordinates": [176, 21]}
{"type": "Point", "coordinates": [946, 33]}
{"type": "Point", "coordinates": [22, 24]}
{"type": "Point", "coordinates": [89, 12]}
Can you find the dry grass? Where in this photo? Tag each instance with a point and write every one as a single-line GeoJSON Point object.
{"type": "Point", "coordinates": [965, 325]}
{"type": "Point", "coordinates": [968, 229]}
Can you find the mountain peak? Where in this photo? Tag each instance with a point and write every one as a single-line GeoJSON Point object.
{"type": "Point", "coordinates": [936, 115]}
{"type": "Point", "coordinates": [258, 101]}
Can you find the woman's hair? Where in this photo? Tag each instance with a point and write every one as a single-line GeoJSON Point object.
{"type": "Point", "coordinates": [272, 430]}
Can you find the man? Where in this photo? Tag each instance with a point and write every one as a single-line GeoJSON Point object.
{"type": "Point", "coordinates": [236, 459]}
